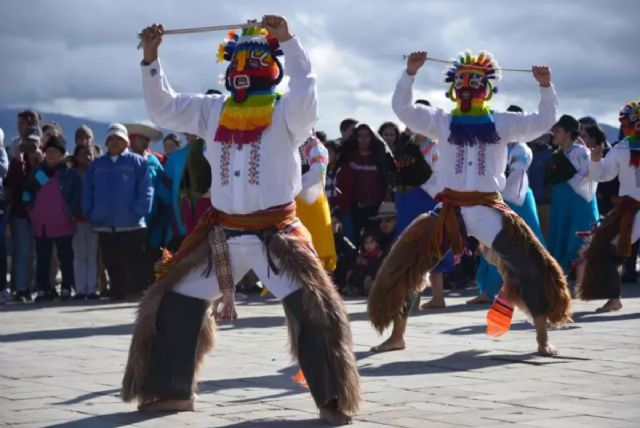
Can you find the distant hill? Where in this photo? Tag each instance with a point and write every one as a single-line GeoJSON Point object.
{"type": "Point", "coordinates": [69, 124]}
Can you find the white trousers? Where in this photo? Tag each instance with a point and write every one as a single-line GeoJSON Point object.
{"type": "Point", "coordinates": [483, 223]}
{"type": "Point", "coordinates": [635, 231]}
{"type": "Point", "coordinates": [246, 252]}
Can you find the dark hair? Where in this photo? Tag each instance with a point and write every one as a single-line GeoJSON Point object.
{"type": "Point", "coordinates": [321, 135]}
{"type": "Point", "coordinates": [347, 123]}
{"type": "Point", "coordinates": [173, 137]}
{"type": "Point", "coordinates": [387, 125]}
{"type": "Point", "coordinates": [333, 145]}
{"type": "Point", "coordinates": [596, 133]}
{"type": "Point", "coordinates": [213, 92]}
{"type": "Point", "coordinates": [52, 125]}
{"type": "Point", "coordinates": [423, 102]}
{"type": "Point", "coordinates": [515, 109]}
{"type": "Point", "coordinates": [29, 115]}
{"type": "Point", "coordinates": [97, 150]}
{"type": "Point", "coordinates": [588, 120]}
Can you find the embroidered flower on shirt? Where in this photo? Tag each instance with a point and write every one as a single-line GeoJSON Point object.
{"type": "Point", "coordinates": [225, 161]}
{"type": "Point", "coordinates": [482, 158]}
{"type": "Point", "coordinates": [459, 159]}
{"type": "Point", "coordinates": [254, 163]}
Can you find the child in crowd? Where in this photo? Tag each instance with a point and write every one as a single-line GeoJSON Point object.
{"type": "Point", "coordinates": [360, 278]}
{"type": "Point", "coordinates": [85, 241]}
{"type": "Point", "coordinates": [52, 193]}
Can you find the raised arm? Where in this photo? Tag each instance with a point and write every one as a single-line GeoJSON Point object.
{"type": "Point", "coordinates": [604, 168]}
{"type": "Point", "coordinates": [167, 108]}
{"type": "Point", "coordinates": [529, 126]}
{"type": "Point", "coordinates": [300, 102]}
{"type": "Point", "coordinates": [418, 118]}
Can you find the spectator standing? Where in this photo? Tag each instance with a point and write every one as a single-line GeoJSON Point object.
{"type": "Point", "coordinates": [141, 136]}
{"type": "Point", "coordinates": [4, 168]}
{"type": "Point", "coordinates": [117, 195]}
{"type": "Point", "coordinates": [85, 241]}
{"type": "Point", "coordinates": [573, 204]}
{"type": "Point", "coordinates": [366, 172]}
{"type": "Point", "coordinates": [541, 149]}
{"type": "Point", "coordinates": [28, 158]}
{"type": "Point", "coordinates": [330, 185]}
{"type": "Point", "coordinates": [52, 193]}
{"type": "Point", "coordinates": [26, 119]}
{"type": "Point", "coordinates": [170, 144]}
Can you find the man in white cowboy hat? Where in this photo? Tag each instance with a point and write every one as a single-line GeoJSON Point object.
{"type": "Point", "coordinates": [141, 136]}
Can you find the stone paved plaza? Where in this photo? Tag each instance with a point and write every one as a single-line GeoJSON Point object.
{"type": "Point", "coordinates": [61, 365]}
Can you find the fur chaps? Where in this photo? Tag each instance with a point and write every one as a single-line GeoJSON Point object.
{"type": "Point", "coordinates": [145, 327]}
{"type": "Point", "coordinates": [325, 309]}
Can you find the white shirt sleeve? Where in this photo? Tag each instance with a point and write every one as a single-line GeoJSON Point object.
{"type": "Point", "coordinates": [606, 169]}
{"type": "Point", "coordinates": [513, 126]}
{"type": "Point", "coordinates": [515, 189]}
{"type": "Point", "coordinates": [419, 118]}
{"type": "Point", "coordinates": [300, 102]}
{"type": "Point", "coordinates": [580, 182]}
{"type": "Point", "coordinates": [168, 109]}
{"type": "Point", "coordinates": [313, 180]}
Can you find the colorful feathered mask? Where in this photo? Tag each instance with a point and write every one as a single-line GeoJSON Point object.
{"type": "Point", "coordinates": [254, 67]}
{"type": "Point", "coordinates": [470, 78]}
{"type": "Point", "coordinates": [630, 119]}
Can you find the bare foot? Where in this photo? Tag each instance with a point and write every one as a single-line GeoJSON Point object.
{"type": "Point", "coordinates": [482, 298]}
{"type": "Point", "coordinates": [547, 350]}
{"type": "Point", "coordinates": [391, 344]}
{"type": "Point", "coordinates": [334, 417]}
{"type": "Point", "coordinates": [434, 304]}
{"type": "Point", "coordinates": [610, 306]}
{"type": "Point", "coordinates": [169, 405]}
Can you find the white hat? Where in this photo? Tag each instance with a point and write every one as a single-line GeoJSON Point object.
{"type": "Point", "coordinates": [118, 130]}
{"type": "Point", "coordinates": [149, 131]}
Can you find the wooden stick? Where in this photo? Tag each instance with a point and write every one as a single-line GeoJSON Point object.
{"type": "Point", "coordinates": [203, 30]}
{"type": "Point", "coordinates": [443, 61]}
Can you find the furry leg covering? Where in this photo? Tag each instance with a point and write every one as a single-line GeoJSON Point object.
{"type": "Point", "coordinates": [532, 278]}
{"type": "Point", "coordinates": [601, 274]}
{"type": "Point", "coordinates": [322, 314]}
{"type": "Point", "coordinates": [402, 272]}
{"type": "Point", "coordinates": [145, 332]}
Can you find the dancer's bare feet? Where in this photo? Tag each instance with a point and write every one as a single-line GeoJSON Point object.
{"type": "Point", "coordinates": [611, 306]}
{"type": "Point", "coordinates": [545, 348]}
{"type": "Point", "coordinates": [391, 344]}
{"type": "Point", "coordinates": [169, 405]}
{"type": "Point", "coordinates": [434, 303]}
{"type": "Point", "coordinates": [334, 417]}
{"type": "Point", "coordinates": [482, 298]}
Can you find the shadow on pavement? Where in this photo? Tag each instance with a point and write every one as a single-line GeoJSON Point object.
{"type": "Point", "coordinates": [456, 362]}
{"type": "Point", "coordinates": [110, 420]}
{"type": "Point", "coordinates": [69, 333]}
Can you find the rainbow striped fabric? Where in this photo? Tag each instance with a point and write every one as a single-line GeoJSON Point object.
{"type": "Point", "coordinates": [244, 123]}
{"type": "Point", "coordinates": [473, 127]}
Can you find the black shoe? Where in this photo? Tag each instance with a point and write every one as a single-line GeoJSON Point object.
{"type": "Point", "coordinates": [93, 296]}
{"type": "Point", "coordinates": [117, 296]}
{"type": "Point", "coordinates": [79, 296]}
{"type": "Point", "coordinates": [23, 296]}
{"type": "Point", "coordinates": [44, 296]}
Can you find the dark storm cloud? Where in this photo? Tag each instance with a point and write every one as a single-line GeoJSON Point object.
{"type": "Point", "coordinates": [80, 55]}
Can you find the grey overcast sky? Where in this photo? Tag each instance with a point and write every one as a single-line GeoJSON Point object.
{"type": "Point", "coordinates": [79, 57]}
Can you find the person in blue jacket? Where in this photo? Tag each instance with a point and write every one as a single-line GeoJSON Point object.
{"type": "Point", "coordinates": [116, 196]}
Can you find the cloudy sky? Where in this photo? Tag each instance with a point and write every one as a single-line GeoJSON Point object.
{"type": "Point", "coordinates": [79, 57]}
